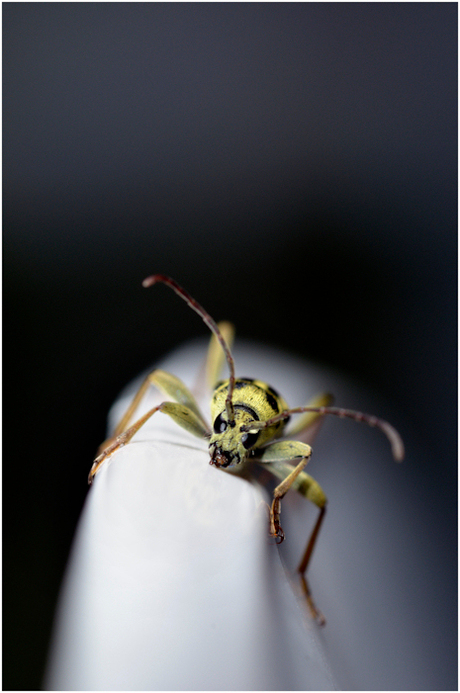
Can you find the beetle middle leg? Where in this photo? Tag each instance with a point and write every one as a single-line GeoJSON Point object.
{"type": "Point", "coordinates": [305, 427]}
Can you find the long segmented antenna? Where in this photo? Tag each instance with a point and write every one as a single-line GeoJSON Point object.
{"type": "Point", "coordinates": [397, 445]}
{"type": "Point", "coordinates": [157, 278]}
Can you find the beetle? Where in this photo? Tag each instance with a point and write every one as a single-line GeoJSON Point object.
{"type": "Point", "coordinates": [249, 419]}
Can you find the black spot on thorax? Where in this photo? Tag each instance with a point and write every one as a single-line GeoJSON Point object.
{"type": "Point", "coordinates": [271, 400]}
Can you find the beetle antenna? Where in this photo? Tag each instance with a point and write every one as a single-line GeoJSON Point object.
{"type": "Point", "coordinates": [397, 445]}
{"type": "Point", "coordinates": [194, 305]}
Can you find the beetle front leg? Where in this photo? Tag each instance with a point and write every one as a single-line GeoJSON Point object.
{"type": "Point", "coordinates": [283, 451]}
{"type": "Point", "coordinates": [277, 455]}
{"type": "Point", "coordinates": [181, 414]}
{"type": "Point", "coordinates": [312, 491]}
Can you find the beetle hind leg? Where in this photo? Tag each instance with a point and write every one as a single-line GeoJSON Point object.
{"type": "Point", "coordinates": [302, 569]}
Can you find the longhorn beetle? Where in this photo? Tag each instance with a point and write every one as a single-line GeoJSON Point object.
{"type": "Point", "coordinates": [248, 421]}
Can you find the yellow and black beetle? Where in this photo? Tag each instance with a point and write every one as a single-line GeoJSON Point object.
{"type": "Point", "coordinates": [248, 421]}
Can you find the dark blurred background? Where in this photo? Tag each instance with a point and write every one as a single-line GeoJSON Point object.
{"type": "Point", "coordinates": [293, 165]}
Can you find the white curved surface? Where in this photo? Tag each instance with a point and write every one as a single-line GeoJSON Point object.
{"type": "Point", "coordinates": [173, 585]}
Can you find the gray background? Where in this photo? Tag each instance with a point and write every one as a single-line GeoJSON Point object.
{"type": "Point", "coordinates": [293, 165]}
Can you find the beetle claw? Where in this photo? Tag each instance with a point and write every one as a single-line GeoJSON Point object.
{"type": "Point", "coordinates": [279, 536]}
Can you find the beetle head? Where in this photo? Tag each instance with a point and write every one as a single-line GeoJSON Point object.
{"type": "Point", "coordinates": [229, 446]}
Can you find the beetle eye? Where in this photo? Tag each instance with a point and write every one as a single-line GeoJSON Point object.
{"type": "Point", "coordinates": [220, 424]}
{"type": "Point", "coordinates": [249, 439]}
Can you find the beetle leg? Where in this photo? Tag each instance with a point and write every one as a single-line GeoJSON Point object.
{"type": "Point", "coordinates": [303, 565]}
{"type": "Point", "coordinates": [169, 385]}
{"type": "Point", "coordinates": [209, 372]}
{"type": "Point", "coordinates": [216, 357]}
{"type": "Point", "coordinates": [181, 414]}
{"type": "Point", "coordinates": [278, 455]}
{"type": "Point", "coordinates": [282, 451]}
{"type": "Point", "coordinates": [305, 427]}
